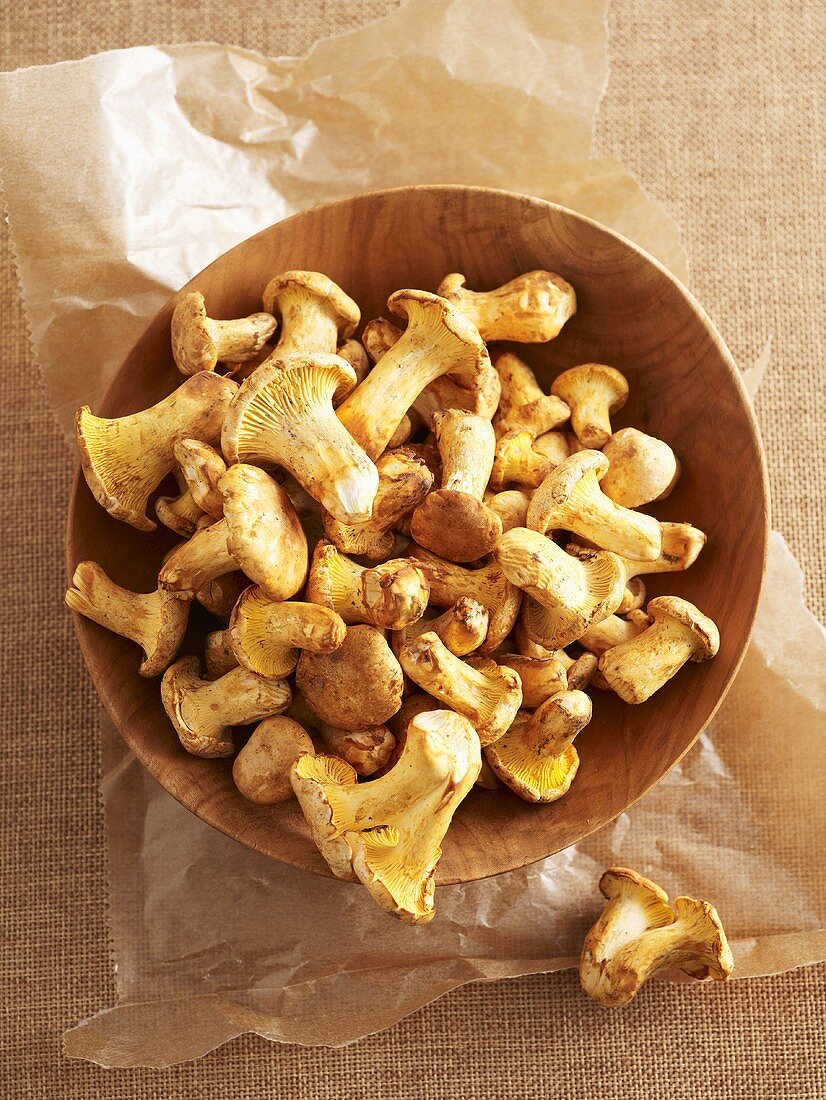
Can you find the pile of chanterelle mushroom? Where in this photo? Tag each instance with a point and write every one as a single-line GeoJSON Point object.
{"type": "Point", "coordinates": [410, 532]}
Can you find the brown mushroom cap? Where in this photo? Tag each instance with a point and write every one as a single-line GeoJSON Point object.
{"type": "Point", "coordinates": [347, 312]}
{"type": "Point", "coordinates": [643, 468]}
{"type": "Point", "coordinates": [359, 684]}
{"type": "Point", "coordinates": [456, 526]}
{"type": "Point", "coordinates": [261, 770]}
{"type": "Point", "coordinates": [265, 535]}
{"type": "Point", "coordinates": [686, 614]}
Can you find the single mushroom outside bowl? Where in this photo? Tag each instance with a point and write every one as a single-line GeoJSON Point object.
{"type": "Point", "coordinates": [684, 388]}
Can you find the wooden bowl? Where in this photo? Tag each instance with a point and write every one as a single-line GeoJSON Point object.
{"type": "Point", "coordinates": [685, 388]}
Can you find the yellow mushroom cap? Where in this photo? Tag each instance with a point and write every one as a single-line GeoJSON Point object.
{"type": "Point", "coordinates": [536, 757]}
{"type": "Point", "coordinates": [268, 637]}
{"type": "Point", "coordinates": [388, 832]}
{"type": "Point", "coordinates": [283, 414]}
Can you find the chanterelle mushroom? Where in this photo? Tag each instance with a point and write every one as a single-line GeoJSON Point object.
{"type": "Point", "coordinates": [200, 343]}
{"type": "Point", "coordinates": [454, 522]}
{"type": "Point", "coordinates": [124, 460]}
{"type": "Point", "coordinates": [462, 628]}
{"type": "Point", "coordinates": [366, 750]}
{"type": "Point", "coordinates": [359, 684]}
{"type": "Point", "coordinates": [516, 462]}
{"type": "Point", "coordinates": [536, 757]}
{"type": "Point", "coordinates": [315, 313]}
{"type": "Point", "coordinates": [679, 633]}
{"type": "Point", "coordinates": [488, 585]}
{"type": "Point", "coordinates": [261, 770]}
{"type": "Point", "coordinates": [524, 406]}
{"type": "Point", "coordinates": [388, 833]}
{"type": "Point", "coordinates": [564, 601]}
{"type": "Point", "coordinates": [438, 340]}
{"type": "Point", "coordinates": [218, 655]}
{"type": "Point", "coordinates": [283, 414]}
{"type": "Point", "coordinates": [479, 395]}
{"type": "Point", "coordinates": [390, 595]}
{"type": "Point", "coordinates": [614, 631]}
{"type": "Point", "coordinates": [680, 548]}
{"type": "Point", "coordinates": [202, 469]}
{"type": "Point", "coordinates": [642, 468]}
{"type": "Point", "coordinates": [570, 498]}
{"type": "Point", "coordinates": [260, 534]}
{"type": "Point", "coordinates": [268, 637]}
{"type": "Point", "coordinates": [203, 711]}
{"type": "Point", "coordinates": [404, 481]}
{"type": "Point", "coordinates": [511, 505]}
{"type": "Point", "coordinates": [541, 677]}
{"type": "Point", "coordinates": [485, 693]}
{"type": "Point", "coordinates": [593, 392]}
{"type": "Point", "coordinates": [638, 935]}
{"type": "Point", "coordinates": [530, 309]}
{"type": "Point", "coordinates": [180, 514]}
{"type": "Point", "coordinates": [155, 620]}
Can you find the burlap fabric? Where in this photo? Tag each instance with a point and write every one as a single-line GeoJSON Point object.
{"type": "Point", "coordinates": [715, 106]}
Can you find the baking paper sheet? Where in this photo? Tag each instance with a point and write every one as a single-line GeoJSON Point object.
{"type": "Point", "coordinates": [125, 174]}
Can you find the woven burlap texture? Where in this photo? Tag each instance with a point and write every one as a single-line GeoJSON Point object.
{"type": "Point", "coordinates": [715, 106]}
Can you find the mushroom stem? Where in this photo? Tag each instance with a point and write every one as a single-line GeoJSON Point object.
{"type": "Point", "coordinates": [462, 627]}
{"type": "Point", "coordinates": [530, 309]}
{"type": "Point", "coordinates": [156, 621]}
{"type": "Point", "coordinates": [241, 340]}
{"type": "Point", "coordinates": [570, 498]}
{"type": "Point", "coordinates": [489, 697]}
{"type": "Point", "coordinates": [195, 563]}
{"type": "Point", "coordinates": [612, 631]}
{"type": "Point", "coordinates": [566, 601]}
{"type": "Point", "coordinates": [488, 585]}
{"type": "Point", "coordinates": [437, 341]}
{"type": "Point", "coordinates": [203, 711]}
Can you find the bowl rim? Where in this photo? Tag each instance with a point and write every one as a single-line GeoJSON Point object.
{"type": "Point", "coordinates": [204, 810]}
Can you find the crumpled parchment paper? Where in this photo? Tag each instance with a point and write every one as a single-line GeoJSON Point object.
{"type": "Point", "coordinates": [126, 173]}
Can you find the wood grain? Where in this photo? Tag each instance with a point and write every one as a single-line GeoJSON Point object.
{"type": "Point", "coordinates": [685, 388]}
